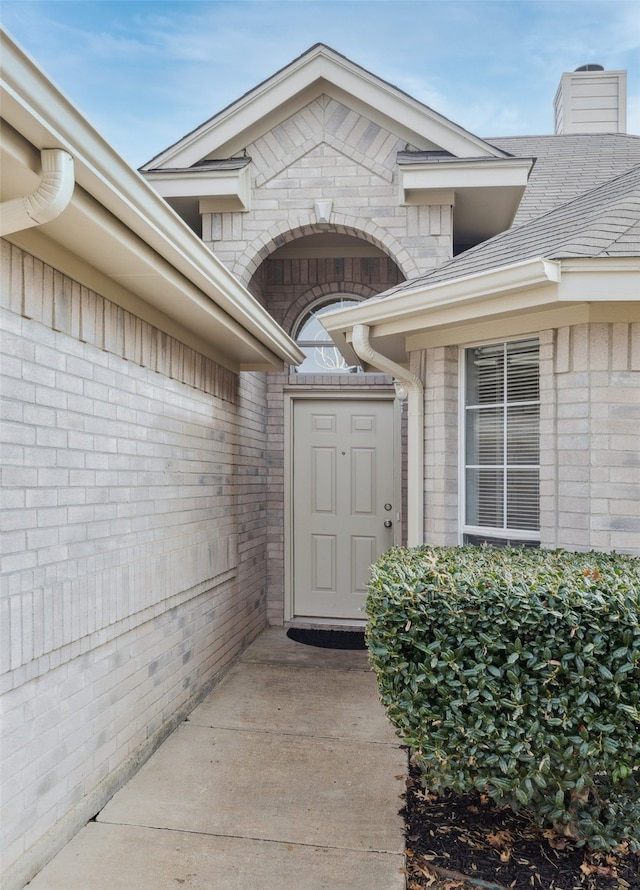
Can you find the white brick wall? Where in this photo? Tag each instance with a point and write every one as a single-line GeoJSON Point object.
{"type": "Point", "coordinates": [327, 151]}
{"type": "Point", "coordinates": [439, 372]}
{"type": "Point", "coordinates": [134, 546]}
{"type": "Point", "coordinates": [595, 416]}
{"type": "Point", "coordinates": [324, 151]}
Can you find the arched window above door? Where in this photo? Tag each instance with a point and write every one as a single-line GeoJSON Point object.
{"type": "Point", "coordinates": [322, 356]}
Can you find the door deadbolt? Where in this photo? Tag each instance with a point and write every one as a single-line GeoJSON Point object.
{"type": "Point", "coordinates": [388, 523]}
{"type": "Point", "coordinates": [387, 507]}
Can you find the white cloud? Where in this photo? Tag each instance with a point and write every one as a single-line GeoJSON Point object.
{"type": "Point", "coordinates": [148, 72]}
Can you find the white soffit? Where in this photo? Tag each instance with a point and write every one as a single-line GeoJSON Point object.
{"type": "Point", "coordinates": [320, 71]}
{"type": "Point", "coordinates": [485, 193]}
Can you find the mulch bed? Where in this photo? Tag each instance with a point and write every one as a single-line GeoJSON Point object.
{"type": "Point", "coordinates": [467, 841]}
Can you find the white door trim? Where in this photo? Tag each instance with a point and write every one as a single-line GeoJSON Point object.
{"type": "Point", "coordinates": [353, 395]}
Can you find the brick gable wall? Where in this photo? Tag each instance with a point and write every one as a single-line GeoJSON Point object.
{"type": "Point", "coordinates": [327, 151]}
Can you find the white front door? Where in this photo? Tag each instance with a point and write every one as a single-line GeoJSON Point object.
{"type": "Point", "coordinates": [342, 501]}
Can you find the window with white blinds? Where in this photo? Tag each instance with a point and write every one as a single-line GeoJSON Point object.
{"type": "Point", "coordinates": [502, 454]}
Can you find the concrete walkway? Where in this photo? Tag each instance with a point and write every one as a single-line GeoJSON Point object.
{"type": "Point", "coordinates": [287, 777]}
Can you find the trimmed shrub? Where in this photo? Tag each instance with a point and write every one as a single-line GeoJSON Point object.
{"type": "Point", "coordinates": [517, 671]}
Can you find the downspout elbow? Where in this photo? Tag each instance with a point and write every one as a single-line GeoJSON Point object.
{"type": "Point", "coordinates": [403, 378]}
{"type": "Point", "coordinates": [408, 386]}
{"type": "Point", "coordinates": [48, 200]}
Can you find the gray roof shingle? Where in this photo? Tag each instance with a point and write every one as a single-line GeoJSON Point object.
{"type": "Point", "coordinates": [567, 166]}
{"type": "Point", "coordinates": [602, 222]}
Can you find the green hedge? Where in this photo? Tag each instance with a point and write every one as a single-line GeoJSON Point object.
{"type": "Point", "coordinates": [517, 671]}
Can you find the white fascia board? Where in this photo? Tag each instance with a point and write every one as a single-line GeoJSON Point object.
{"type": "Point", "coordinates": [228, 184]}
{"type": "Point", "coordinates": [409, 310]}
{"type": "Point", "coordinates": [601, 279]}
{"type": "Point", "coordinates": [323, 70]}
{"type": "Point", "coordinates": [522, 323]}
{"type": "Point", "coordinates": [462, 174]}
{"type": "Point", "coordinates": [519, 297]}
{"type": "Point", "coordinates": [401, 107]}
{"type": "Point", "coordinates": [43, 116]}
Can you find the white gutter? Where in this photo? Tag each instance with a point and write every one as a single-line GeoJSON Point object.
{"type": "Point", "coordinates": [409, 387]}
{"type": "Point", "coordinates": [42, 115]}
{"type": "Point", "coordinates": [47, 201]}
{"type": "Point", "coordinates": [408, 306]}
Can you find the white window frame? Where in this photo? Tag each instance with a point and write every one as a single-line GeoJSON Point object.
{"type": "Point", "coordinates": [504, 534]}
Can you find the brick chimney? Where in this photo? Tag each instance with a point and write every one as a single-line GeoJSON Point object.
{"type": "Point", "coordinates": [591, 100]}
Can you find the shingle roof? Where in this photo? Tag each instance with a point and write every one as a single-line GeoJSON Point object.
{"type": "Point", "coordinates": [603, 222]}
{"type": "Point", "coordinates": [567, 166]}
{"type": "Point", "coordinates": [206, 165]}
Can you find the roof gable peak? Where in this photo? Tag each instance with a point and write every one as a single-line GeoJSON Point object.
{"type": "Point", "coordinates": [319, 70]}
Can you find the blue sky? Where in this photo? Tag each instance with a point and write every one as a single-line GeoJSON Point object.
{"type": "Point", "coordinates": [145, 73]}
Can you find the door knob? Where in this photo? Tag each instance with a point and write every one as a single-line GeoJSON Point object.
{"type": "Point", "coordinates": [388, 523]}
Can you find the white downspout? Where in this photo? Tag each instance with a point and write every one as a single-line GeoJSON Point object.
{"type": "Point", "coordinates": [47, 201]}
{"type": "Point", "coordinates": [409, 387]}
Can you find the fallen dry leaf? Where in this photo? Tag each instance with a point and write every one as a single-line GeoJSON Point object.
{"type": "Point", "coordinates": [469, 840]}
{"type": "Point", "coordinates": [499, 839]}
{"type": "Point", "coordinates": [606, 871]}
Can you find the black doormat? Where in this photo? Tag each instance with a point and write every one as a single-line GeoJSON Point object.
{"type": "Point", "coordinates": [328, 639]}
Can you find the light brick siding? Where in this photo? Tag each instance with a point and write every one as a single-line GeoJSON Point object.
{"type": "Point", "coordinates": [328, 152]}
{"type": "Point", "coordinates": [439, 372]}
{"type": "Point", "coordinates": [134, 521]}
{"type": "Point", "coordinates": [592, 440]}
{"type": "Point", "coordinates": [589, 438]}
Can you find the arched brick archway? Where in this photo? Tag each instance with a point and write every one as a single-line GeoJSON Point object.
{"type": "Point", "coordinates": [282, 233]}
{"type": "Point", "coordinates": [288, 283]}
{"type": "Point", "coordinates": [356, 258]}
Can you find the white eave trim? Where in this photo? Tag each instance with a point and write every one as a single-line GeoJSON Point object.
{"type": "Point", "coordinates": [601, 280]}
{"type": "Point", "coordinates": [562, 291]}
{"type": "Point", "coordinates": [232, 186]}
{"type": "Point", "coordinates": [402, 308]}
{"type": "Point", "coordinates": [328, 71]}
{"type": "Point", "coordinates": [46, 119]}
{"type": "Point", "coordinates": [459, 173]}
{"type": "Point", "coordinates": [394, 318]}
